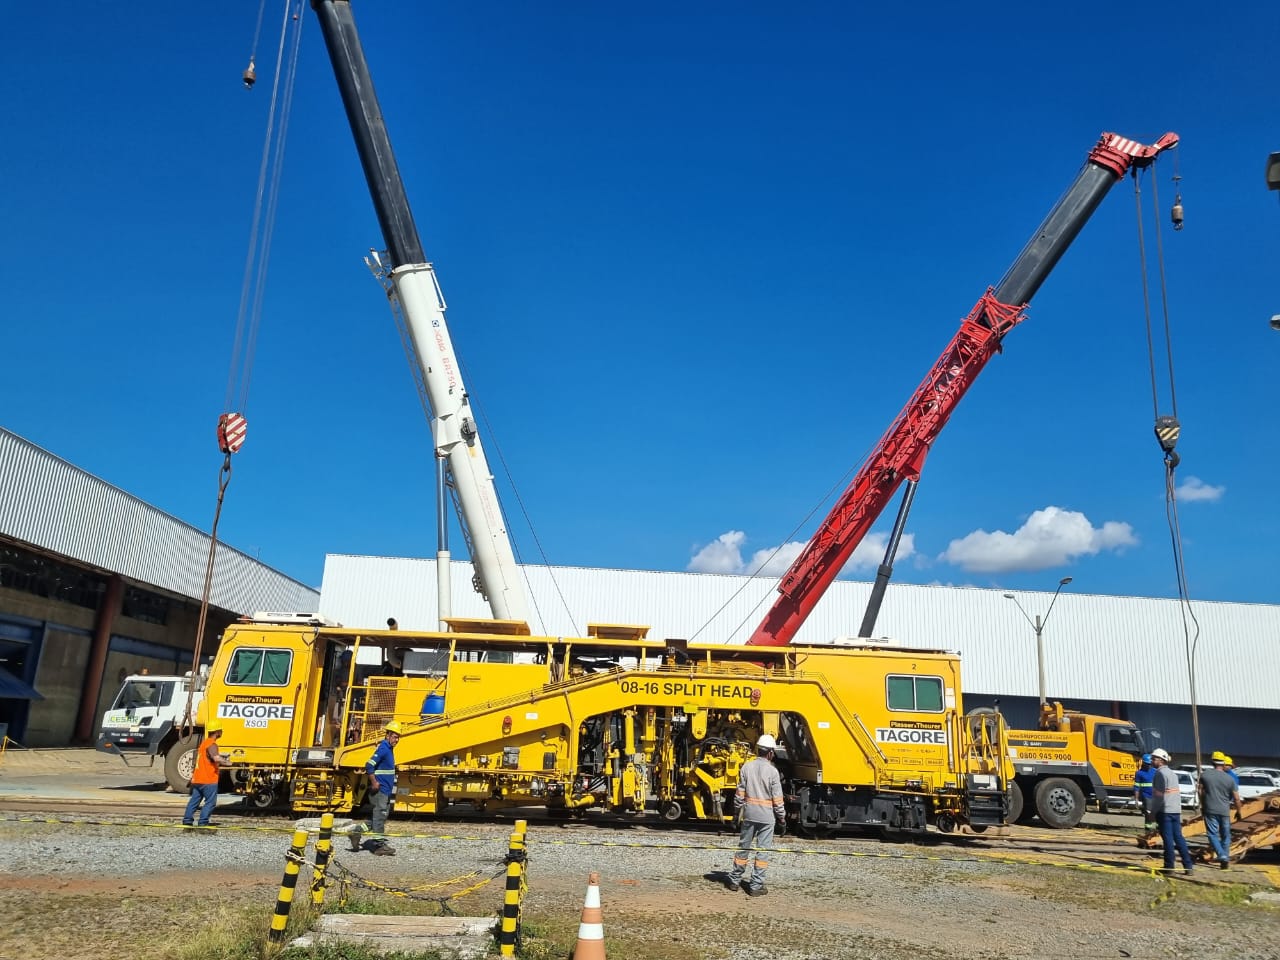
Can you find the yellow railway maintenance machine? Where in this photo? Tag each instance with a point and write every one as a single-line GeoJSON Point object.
{"type": "Point", "coordinates": [870, 736]}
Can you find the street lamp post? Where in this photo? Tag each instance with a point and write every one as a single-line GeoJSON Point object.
{"type": "Point", "coordinates": [1038, 626]}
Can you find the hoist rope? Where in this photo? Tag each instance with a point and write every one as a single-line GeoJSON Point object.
{"type": "Point", "coordinates": [224, 478]}
{"type": "Point", "coordinates": [1164, 300]}
{"type": "Point", "coordinates": [266, 201]}
{"type": "Point", "coordinates": [257, 31]}
{"type": "Point", "coordinates": [1190, 625]}
{"type": "Point", "coordinates": [250, 312]}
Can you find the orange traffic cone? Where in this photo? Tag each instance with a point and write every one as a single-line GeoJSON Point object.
{"type": "Point", "coordinates": [591, 930]}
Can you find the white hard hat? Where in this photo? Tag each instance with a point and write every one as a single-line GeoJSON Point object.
{"type": "Point", "coordinates": [1159, 753]}
{"type": "Point", "coordinates": [766, 742]}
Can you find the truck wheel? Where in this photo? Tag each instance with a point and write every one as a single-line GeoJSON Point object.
{"type": "Point", "coordinates": [1014, 800]}
{"type": "Point", "coordinates": [1059, 802]}
{"type": "Point", "coordinates": [180, 763]}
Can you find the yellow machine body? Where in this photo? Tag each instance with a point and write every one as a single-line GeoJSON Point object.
{"type": "Point", "coordinates": [494, 717]}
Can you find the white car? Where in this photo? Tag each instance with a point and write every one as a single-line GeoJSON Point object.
{"type": "Point", "coordinates": [1187, 785]}
{"type": "Point", "coordinates": [1272, 772]}
{"type": "Point", "coordinates": [1255, 785]}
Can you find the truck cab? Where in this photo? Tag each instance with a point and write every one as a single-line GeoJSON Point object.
{"type": "Point", "coordinates": [1070, 759]}
{"type": "Point", "coordinates": [148, 719]}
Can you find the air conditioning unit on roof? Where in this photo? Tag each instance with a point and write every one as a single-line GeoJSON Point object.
{"type": "Point", "coordinates": [304, 619]}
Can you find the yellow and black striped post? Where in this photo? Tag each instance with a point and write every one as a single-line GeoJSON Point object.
{"type": "Point", "coordinates": [517, 859]}
{"type": "Point", "coordinates": [292, 864]}
{"type": "Point", "coordinates": [324, 844]}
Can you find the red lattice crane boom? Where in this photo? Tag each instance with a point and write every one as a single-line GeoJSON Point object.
{"type": "Point", "coordinates": [901, 452]}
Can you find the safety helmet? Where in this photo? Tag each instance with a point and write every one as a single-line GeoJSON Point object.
{"type": "Point", "coordinates": [766, 742]}
{"type": "Point", "coordinates": [1228, 761]}
{"type": "Point", "coordinates": [1160, 753]}
{"type": "Point", "coordinates": [393, 727]}
{"type": "Point", "coordinates": [213, 726]}
{"type": "Point", "coordinates": [1146, 758]}
{"type": "Point", "coordinates": [1218, 757]}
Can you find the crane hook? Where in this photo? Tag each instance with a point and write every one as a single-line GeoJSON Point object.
{"type": "Point", "coordinates": [250, 76]}
{"type": "Point", "coordinates": [1175, 212]}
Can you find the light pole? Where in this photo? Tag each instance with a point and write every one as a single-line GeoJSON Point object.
{"type": "Point", "coordinates": [1038, 626]}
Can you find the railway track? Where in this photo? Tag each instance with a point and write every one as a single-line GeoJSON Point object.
{"type": "Point", "coordinates": [1083, 844]}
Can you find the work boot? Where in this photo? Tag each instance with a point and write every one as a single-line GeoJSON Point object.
{"type": "Point", "coordinates": [732, 885]}
{"type": "Point", "coordinates": [354, 838]}
{"type": "Point", "coordinates": [1224, 864]}
{"type": "Point", "coordinates": [759, 891]}
{"type": "Point", "coordinates": [384, 850]}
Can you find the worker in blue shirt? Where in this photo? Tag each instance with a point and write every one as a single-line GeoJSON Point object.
{"type": "Point", "coordinates": [381, 770]}
{"type": "Point", "coordinates": [1142, 780]}
{"type": "Point", "coordinates": [1231, 769]}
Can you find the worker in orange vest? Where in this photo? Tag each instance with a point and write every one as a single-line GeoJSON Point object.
{"type": "Point", "coordinates": [204, 782]}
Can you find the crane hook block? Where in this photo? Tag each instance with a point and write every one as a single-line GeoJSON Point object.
{"type": "Point", "coordinates": [250, 76]}
{"type": "Point", "coordinates": [1167, 432]}
{"type": "Point", "coordinates": [1176, 212]}
{"type": "Point", "coordinates": [231, 431]}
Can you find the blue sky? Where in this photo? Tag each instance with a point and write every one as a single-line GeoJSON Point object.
{"type": "Point", "coordinates": [696, 259]}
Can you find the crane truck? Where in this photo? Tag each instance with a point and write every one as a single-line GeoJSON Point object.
{"type": "Point", "coordinates": [1072, 755]}
{"type": "Point", "coordinates": [494, 716]}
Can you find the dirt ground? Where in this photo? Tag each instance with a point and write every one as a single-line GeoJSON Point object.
{"type": "Point", "coordinates": [83, 878]}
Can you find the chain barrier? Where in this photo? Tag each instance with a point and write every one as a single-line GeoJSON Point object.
{"type": "Point", "coordinates": [327, 869]}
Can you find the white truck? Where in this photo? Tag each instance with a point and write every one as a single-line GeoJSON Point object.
{"type": "Point", "coordinates": [149, 718]}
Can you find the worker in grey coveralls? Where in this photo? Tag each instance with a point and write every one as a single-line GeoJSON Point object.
{"type": "Point", "coordinates": [759, 802]}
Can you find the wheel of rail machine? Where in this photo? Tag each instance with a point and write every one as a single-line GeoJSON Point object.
{"type": "Point", "coordinates": [180, 763]}
{"type": "Point", "coordinates": [263, 799]}
{"type": "Point", "coordinates": [670, 810]}
{"type": "Point", "coordinates": [1015, 803]}
{"type": "Point", "coordinates": [1059, 802]}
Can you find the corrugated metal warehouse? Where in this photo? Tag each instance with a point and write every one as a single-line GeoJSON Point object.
{"type": "Point", "coordinates": [94, 585]}
{"type": "Point", "coordinates": [1120, 656]}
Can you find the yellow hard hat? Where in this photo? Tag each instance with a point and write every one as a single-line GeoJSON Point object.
{"type": "Point", "coordinates": [393, 727]}
{"type": "Point", "coordinates": [1228, 761]}
{"type": "Point", "coordinates": [1218, 757]}
{"type": "Point", "coordinates": [213, 726]}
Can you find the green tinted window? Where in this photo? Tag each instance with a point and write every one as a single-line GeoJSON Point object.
{"type": "Point", "coordinates": [902, 693]}
{"type": "Point", "coordinates": [929, 694]}
{"type": "Point", "coordinates": [260, 667]}
{"type": "Point", "coordinates": [915, 693]}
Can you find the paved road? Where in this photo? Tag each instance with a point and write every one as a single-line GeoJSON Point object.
{"type": "Point", "coordinates": [74, 777]}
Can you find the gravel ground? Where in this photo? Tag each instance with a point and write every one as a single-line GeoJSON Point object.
{"type": "Point", "coordinates": [846, 898]}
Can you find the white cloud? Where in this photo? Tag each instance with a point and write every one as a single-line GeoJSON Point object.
{"type": "Point", "coordinates": [724, 555]}
{"type": "Point", "coordinates": [1194, 489]}
{"type": "Point", "coordinates": [1051, 537]}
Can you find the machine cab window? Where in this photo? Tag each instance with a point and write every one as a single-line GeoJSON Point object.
{"type": "Point", "coordinates": [255, 667]}
{"type": "Point", "coordinates": [1115, 737]}
{"type": "Point", "coordinates": [917, 694]}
